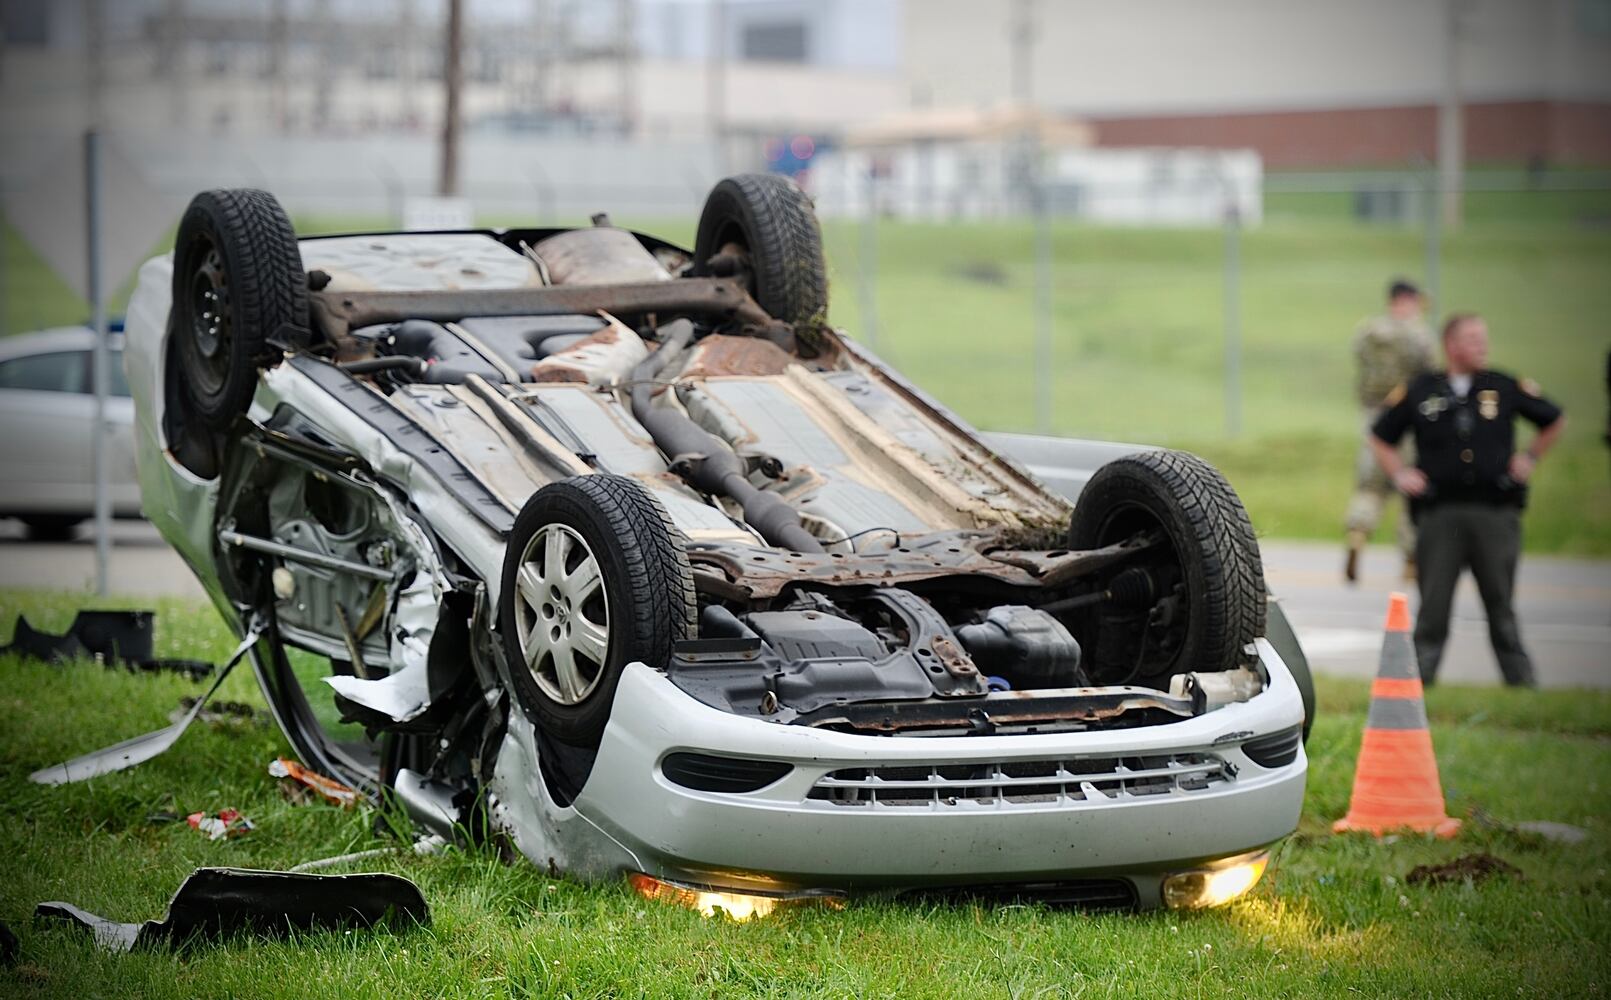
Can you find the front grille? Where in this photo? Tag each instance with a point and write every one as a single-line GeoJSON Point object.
{"type": "Point", "coordinates": [1068, 781]}
{"type": "Point", "coordinates": [1082, 894]}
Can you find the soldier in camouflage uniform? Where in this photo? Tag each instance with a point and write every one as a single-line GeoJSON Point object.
{"type": "Point", "coordinates": [1389, 350]}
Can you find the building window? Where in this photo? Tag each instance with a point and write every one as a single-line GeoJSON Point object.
{"type": "Point", "coordinates": [774, 41]}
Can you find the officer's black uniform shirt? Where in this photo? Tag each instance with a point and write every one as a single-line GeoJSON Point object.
{"type": "Point", "coordinates": [1464, 444]}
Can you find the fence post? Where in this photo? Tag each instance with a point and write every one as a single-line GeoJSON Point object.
{"type": "Point", "coordinates": [1043, 296]}
{"type": "Point", "coordinates": [1434, 246]}
{"type": "Point", "coordinates": [5, 254]}
{"type": "Point", "coordinates": [1233, 317]}
{"type": "Point", "coordinates": [103, 357]}
{"type": "Point", "coordinates": [867, 263]}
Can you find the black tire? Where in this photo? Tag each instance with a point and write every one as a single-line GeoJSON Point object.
{"type": "Point", "coordinates": [1213, 556]}
{"type": "Point", "coordinates": [240, 298]}
{"type": "Point", "coordinates": [1285, 642]}
{"type": "Point", "coordinates": [773, 221]}
{"type": "Point", "coordinates": [646, 584]}
{"type": "Point", "coordinates": [51, 527]}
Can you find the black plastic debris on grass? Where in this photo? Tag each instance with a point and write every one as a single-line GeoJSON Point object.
{"type": "Point", "coordinates": [8, 946]}
{"type": "Point", "coordinates": [217, 902]}
{"type": "Point", "coordinates": [1473, 867]}
{"type": "Point", "coordinates": [117, 637]}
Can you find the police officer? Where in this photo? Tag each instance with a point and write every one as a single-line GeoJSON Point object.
{"type": "Point", "coordinates": [1389, 350]}
{"type": "Point", "coordinates": [1467, 487]}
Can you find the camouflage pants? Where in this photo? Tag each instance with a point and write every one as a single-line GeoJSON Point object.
{"type": "Point", "coordinates": [1373, 491]}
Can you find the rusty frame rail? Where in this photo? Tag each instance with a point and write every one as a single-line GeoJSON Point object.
{"type": "Point", "coordinates": [340, 312]}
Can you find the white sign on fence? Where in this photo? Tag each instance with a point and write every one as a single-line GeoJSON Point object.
{"type": "Point", "coordinates": [422, 214]}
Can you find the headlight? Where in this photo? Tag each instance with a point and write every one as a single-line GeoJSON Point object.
{"type": "Point", "coordinates": [1205, 887]}
{"type": "Point", "coordinates": [712, 901]}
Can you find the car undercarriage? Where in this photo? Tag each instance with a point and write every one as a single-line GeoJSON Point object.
{"type": "Point", "coordinates": [621, 552]}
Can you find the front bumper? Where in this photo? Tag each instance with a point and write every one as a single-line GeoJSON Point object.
{"type": "Point", "coordinates": [785, 834]}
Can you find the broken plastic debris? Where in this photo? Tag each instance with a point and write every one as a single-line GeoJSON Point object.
{"type": "Point", "coordinates": [8, 946]}
{"type": "Point", "coordinates": [221, 713]}
{"type": "Point", "coordinates": [121, 637]}
{"type": "Point", "coordinates": [227, 823]}
{"type": "Point", "coordinates": [217, 901]}
{"type": "Point", "coordinates": [326, 788]}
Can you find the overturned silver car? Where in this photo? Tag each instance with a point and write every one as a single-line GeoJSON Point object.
{"type": "Point", "coordinates": [617, 550]}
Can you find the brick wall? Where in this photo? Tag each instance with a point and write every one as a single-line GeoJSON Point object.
{"type": "Point", "coordinates": [1510, 132]}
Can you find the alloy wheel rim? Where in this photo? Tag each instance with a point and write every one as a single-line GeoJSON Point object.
{"type": "Point", "coordinates": [562, 614]}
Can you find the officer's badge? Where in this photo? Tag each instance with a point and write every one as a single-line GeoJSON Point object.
{"type": "Point", "coordinates": [1488, 404]}
{"type": "Point", "coordinates": [1530, 387]}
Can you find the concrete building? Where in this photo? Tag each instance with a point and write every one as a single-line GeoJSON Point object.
{"type": "Point", "coordinates": [1306, 84]}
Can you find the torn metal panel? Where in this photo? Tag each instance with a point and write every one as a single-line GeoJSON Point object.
{"type": "Point", "coordinates": [405, 693]}
{"type": "Point", "coordinates": [724, 354]}
{"type": "Point", "coordinates": [140, 749]}
{"type": "Point", "coordinates": [216, 902]}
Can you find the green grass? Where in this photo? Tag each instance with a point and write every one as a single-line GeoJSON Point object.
{"type": "Point", "coordinates": [1138, 343]}
{"type": "Point", "coordinates": [1333, 917]}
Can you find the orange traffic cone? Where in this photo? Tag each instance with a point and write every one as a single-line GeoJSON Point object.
{"type": "Point", "coordinates": [1396, 784]}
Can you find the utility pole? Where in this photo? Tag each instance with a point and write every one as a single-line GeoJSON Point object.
{"type": "Point", "coordinates": [543, 51]}
{"type": "Point", "coordinates": [173, 61]}
{"type": "Point", "coordinates": [102, 357]}
{"type": "Point", "coordinates": [1028, 177]}
{"type": "Point", "coordinates": [627, 64]}
{"type": "Point", "coordinates": [452, 82]}
{"type": "Point", "coordinates": [279, 70]}
{"type": "Point", "coordinates": [408, 61]}
{"type": "Point", "coordinates": [716, 83]}
{"type": "Point", "coordinates": [1232, 306]}
{"type": "Point", "coordinates": [1451, 119]}
{"type": "Point", "coordinates": [328, 51]}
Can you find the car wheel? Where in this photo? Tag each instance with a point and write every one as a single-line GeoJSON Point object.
{"type": "Point", "coordinates": [1206, 592]}
{"type": "Point", "coordinates": [595, 577]}
{"type": "Point", "coordinates": [770, 221]}
{"type": "Point", "coordinates": [51, 527]}
{"type": "Point", "coordinates": [240, 298]}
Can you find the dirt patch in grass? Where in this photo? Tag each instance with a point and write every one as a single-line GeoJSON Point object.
{"type": "Point", "coordinates": [1475, 867]}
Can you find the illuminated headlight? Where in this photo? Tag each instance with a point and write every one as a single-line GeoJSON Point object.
{"type": "Point", "coordinates": [1205, 887]}
{"type": "Point", "coordinates": [712, 901]}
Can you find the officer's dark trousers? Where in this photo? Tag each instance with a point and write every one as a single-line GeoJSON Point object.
{"type": "Point", "coordinates": [1487, 539]}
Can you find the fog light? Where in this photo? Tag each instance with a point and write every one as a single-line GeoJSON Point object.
{"type": "Point", "coordinates": [734, 905]}
{"type": "Point", "coordinates": [1205, 887]}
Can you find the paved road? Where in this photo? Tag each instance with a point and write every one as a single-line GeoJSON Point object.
{"type": "Point", "coordinates": [1565, 604]}
{"type": "Point", "coordinates": [142, 563]}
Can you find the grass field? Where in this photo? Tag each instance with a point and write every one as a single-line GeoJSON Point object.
{"type": "Point", "coordinates": [1138, 338]}
{"type": "Point", "coordinates": [1334, 916]}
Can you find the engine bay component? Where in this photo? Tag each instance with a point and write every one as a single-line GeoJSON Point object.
{"type": "Point", "coordinates": [1025, 645]}
{"type": "Point", "coordinates": [706, 461]}
{"type": "Point", "coordinates": [602, 255]}
{"type": "Point", "coordinates": [1209, 691]}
